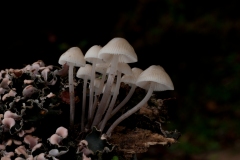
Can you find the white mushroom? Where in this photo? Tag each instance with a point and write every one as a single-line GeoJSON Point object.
{"type": "Point", "coordinates": [128, 79]}
{"type": "Point", "coordinates": [122, 68]}
{"type": "Point", "coordinates": [84, 73]}
{"type": "Point", "coordinates": [115, 51]}
{"type": "Point", "coordinates": [92, 57]}
{"type": "Point", "coordinates": [72, 57]}
{"type": "Point", "coordinates": [154, 78]}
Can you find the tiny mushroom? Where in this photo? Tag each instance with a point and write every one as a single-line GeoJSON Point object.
{"type": "Point", "coordinates": [72, 57]}
{"type": "Point", "coordinates": [122, 68]}
{"type": "Point", "coordinates": [154, 78]}
{"type": "Point", "coordinates": [92, 57]}
{"type": "Point", "coordinates": [131, 80]}
{"type": "Point", "coordinates": [115, 51]}
{"type": "Point", "coordinates": [84, 73]}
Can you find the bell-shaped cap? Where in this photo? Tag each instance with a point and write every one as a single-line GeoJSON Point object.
{"type": "Point", "coordinates": [102, 67]}
{"type": "Point", "coordinates": [157, 74]}
{"type": "Point", "coordinates": [132, 79]}
{"type": "Point", "coordinates": [123, 68]}
{"type": "Point", "coordinates": [92, 54]}
{"type": "Point", "coordinates": [84, 72]}
{"type": "Point", "coordinates": [73, 56]}
{"type": "Point", "coordinates": [118, 46]}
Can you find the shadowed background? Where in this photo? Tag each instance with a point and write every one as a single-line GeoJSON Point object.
{"type": "Point", "coordinates": [197, 43]}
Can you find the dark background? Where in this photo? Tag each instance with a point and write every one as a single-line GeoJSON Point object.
{"type": "Point", "coordinates": [196, 42]}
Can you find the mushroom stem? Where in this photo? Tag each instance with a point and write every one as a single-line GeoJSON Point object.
{"type": "Point", "coordinates": [90, 112]}
{"type": "Point", "coordinates": [107, 91]}
{"type": "Point", "coordinates": [93, 112]}
{"type": "Point", "coordinates": [131, 111]}
{"type": "Point", "coordinates": [109, 110]}
{"type": "Point", "coordinates": [71, 93]}
{"type": "Point", "coordinates": [83, 103]}
{"type": "Point", "coordinates": [94, 105]}
{"type": "Point", "coordinates": [126, 99]}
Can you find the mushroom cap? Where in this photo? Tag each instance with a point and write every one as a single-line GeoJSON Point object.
{"type": "Point", "coordinates": [118, 46]}
{"type": "Point", "coordinates": [92, 54]}
{"type": "Point", "coordinates": [73, 55]}
{"type": "Point", "coordinates": [84, 72]}
{"type": "Point", "coordinates": [132, 79]}
{"type": "Point", "coordinates": [157, 74]}
{"type": "Point", "coordinates": [102, 67]}
{"type": "Point", "coordinates": [123, 68]}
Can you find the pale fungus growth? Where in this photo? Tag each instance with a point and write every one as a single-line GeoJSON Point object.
{"type": "Point", "coordinates": [40, 99]}
{"type": "Point", "coordinates": [154, 78]}
{"type": "Point", "coordinates": [73, 57]}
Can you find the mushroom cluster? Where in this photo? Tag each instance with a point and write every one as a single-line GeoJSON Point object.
{"type": "Point", "coordinates": [111, 63]}
{"type": "Point", "coordinates": [83, 95]}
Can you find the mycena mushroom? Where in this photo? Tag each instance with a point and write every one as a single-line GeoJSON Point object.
{"type": "Point", "coordinates": [115, 51]}
{"type": "Point", "coordinates": [154, 78]}
{"type": "Point", "coordinates": [122, 68]}
{"type": "Point", "coordinates": [92, 57]}
{"type": "Point", "coordinates": [84, 73]}
{"type": "Point", "coordinates": [72, 57]}
{"type": "Point", "coordinates": [131, 80]}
